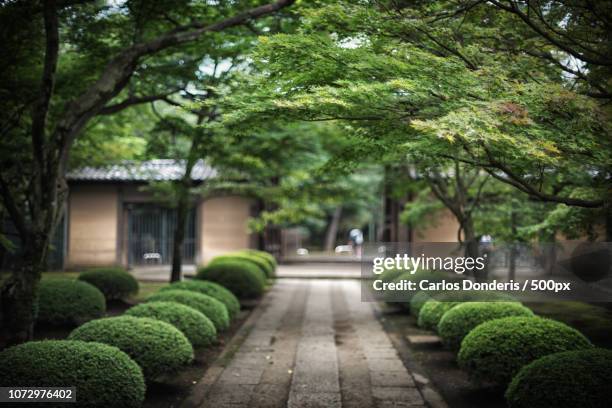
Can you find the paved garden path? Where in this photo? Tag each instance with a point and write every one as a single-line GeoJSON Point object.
{"type": "Point", "coordinates": [311, 343]}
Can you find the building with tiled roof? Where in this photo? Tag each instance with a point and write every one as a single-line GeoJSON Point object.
{"type": "Point", "coordinates": [112, 219]}
{"type": "Point", "coordinates": [150, 170]}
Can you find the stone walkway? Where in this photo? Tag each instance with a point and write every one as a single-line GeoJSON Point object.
{"type": "Point", "coordinates": [311, 343]}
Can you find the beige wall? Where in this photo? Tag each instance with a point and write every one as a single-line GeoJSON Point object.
{"type": "Point", "coordinates": [223, 226]}
{"type": "Point", "coordinates": [442, 229]}
{"type": "Point", "coordinates": [92, 228]}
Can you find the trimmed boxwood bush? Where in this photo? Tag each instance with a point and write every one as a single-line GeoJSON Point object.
{"type": "Point", "coordinates": [115, 283]}
{"type": "Point", "coordinates": [261, 264]}
{"type": "Point", "coordinates": [474, 296]}
{"type": "Point", "coordinates": [389, 275]}
{"type": "Point", "coordinates": [461, 319]}
{"type": "Point", "coordinates": [68, 302]}
{"type": "Point", "coordinates": [431, 313]}
{"type": "Point", "coordinates": [418, 301]}
{"type": "Point", "coordinates": [496, 350]}
{"type": "Point", "coordinates": [193, 324]}
{"type": "Point", "coordinates": [264, 255]}
{"type": "Point", "coordinates": [564, 380]}
{"type": "Point", "coordinates": [158, 347]}
{"type": "Point", "coordinates": [103, 375]}
{"type": "Point", "coordinates": [269, 266]}
{"type": "Point", "coordinates": [430, 276]}
{"type": "Point", "coordinates": [209, 306]}
{"type": "Point", "coordinates": [211, 289]}
{"type": "Point", "coordinates": [242, 278]}
{"type": "Point", "coordinates": [393, 275]}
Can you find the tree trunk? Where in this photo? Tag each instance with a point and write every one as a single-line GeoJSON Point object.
{"type": "Point", "coordinates": [608, 212]}
{"type": "Point", "coordinates": [332, 229]}
{"type": "Point", "coordinates": [19, 294]}
{"type": "Point", "coordinates": [471, 247]}
{"type": "Point", "coordinates": [179, 237]}
{"type": "Point", "coordinates": [272, 233]}
{"type": "Point", "coordinates": [513, 248]}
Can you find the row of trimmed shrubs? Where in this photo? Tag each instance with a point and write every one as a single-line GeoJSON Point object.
{"type": "Point", "coordinates": [64, 301]}
{"type": "Point", "coordinates": [111, 359]}
{"type": "Point", "coordinates": [501, 344]}
{"type": "Point", "coordinates": [245, 273]}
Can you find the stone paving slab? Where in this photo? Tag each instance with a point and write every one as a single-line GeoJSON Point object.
{"type": "Point", "coordinates": [316, 345]}
{"type": "Point", "coordinates": [315, 377]}
{"type": "Point", "coordinates": [424, 339]}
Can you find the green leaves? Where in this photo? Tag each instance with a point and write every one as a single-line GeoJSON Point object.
{"type": "Point", "coordinates": [432, 85]}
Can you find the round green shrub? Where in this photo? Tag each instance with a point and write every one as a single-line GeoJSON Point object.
{"type": "Point", "coordinates": [418, 301]}
{"type": "Point", "coordinates": [431, 313]}
{"type": "Point", "coordinates": [115, 283]}
{"type": "Point", "coordinates": [448, 300]}
{"type": "Point", "coordinates": [494, 351]}
{"type": "Point", "coordinates": [266, 258]}
{"type": "Point", "coordinates": [193, 324]}
{"type": "Point", "coordinates": [264, 255]}
{"type": "Point", "coordinates": [261, 264]}
{"type": "Point", "coordinates": [564, 380]}
{"type": "Point", "coordinates": [243, 279]}
{"type": "Point", "coordinates": [211, 289]}
{"type": "Point", "coordinates": [456, 323]}
{"type": "Point", "coordinates": [68, 302]}
{"type": "Point", "coordinates": [405, 297]}
{"type": "Point", "coordinates": [474, 296]}
{"type": "Point", "coordinates": [209, 306]}
{"type": "Point", "coordinates": [390, 275]}
{"type": "Point", "coordinates": [104, 376]}
{"type": "Point", "coordinates": [158, 347]}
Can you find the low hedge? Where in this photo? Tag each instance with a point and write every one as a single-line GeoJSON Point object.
{"type": "Point", "coordinates": [211, 289]}
{"type": "Point", "coordinates": [104, 376]}
{"type": "Point", "coordinates": [115, 283]}
{"type": "Point", "coordinates": [430, 276]}
{"type": "Point", "coordinates": [158, 347]}
{"type": "Point", "coordinates": [207, 305]}
{"type": "Point", "coordinates": [448, 300]}
{"type": "Point", "coordinates": [68, 302]}
{"type": "Point", "coordinates": [496, 350]}
{"type": "Point", "coordinates": [389, 275]}
{"type": "Point", "coordinates": [431, 313]}
{"type": "Point", "coordinates": [474, 296]}
{"type": "Point", "coordinates": [456, 323]}
{"type": "Point", "coordinates": [260, 263]}
{"type": "Point", "coordinates": [269, 258]}
{"type": "Point", "coordinates": [242, 278]}
{"type": "Point", "coordinates": [418, 301]}
{"type": "Point", "coordinates": [393, 296]}
{"type": "Point", "coordinates": [564, 380]}
{"type": "Point", "coordinates": [194, 325]}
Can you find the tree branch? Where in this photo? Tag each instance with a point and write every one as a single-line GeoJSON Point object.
{"type": "Point", "coordinates": [9, 203]}
{"type": "Point", "coordinates": [41, 106]}
{"type": "Point", "coordinates": [136, 100]}
{"type": "Point", "coordinates": [119, 70]}
{"type": "Point", "coordinates": [512, 8]}
{"type": "Point", "coordinates": [520, 184]}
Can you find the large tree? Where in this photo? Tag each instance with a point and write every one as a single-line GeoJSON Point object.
{"type": "Point", "coordinates": [431, 78]}
{"type": "Point", "coordinates": [64, 63]}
